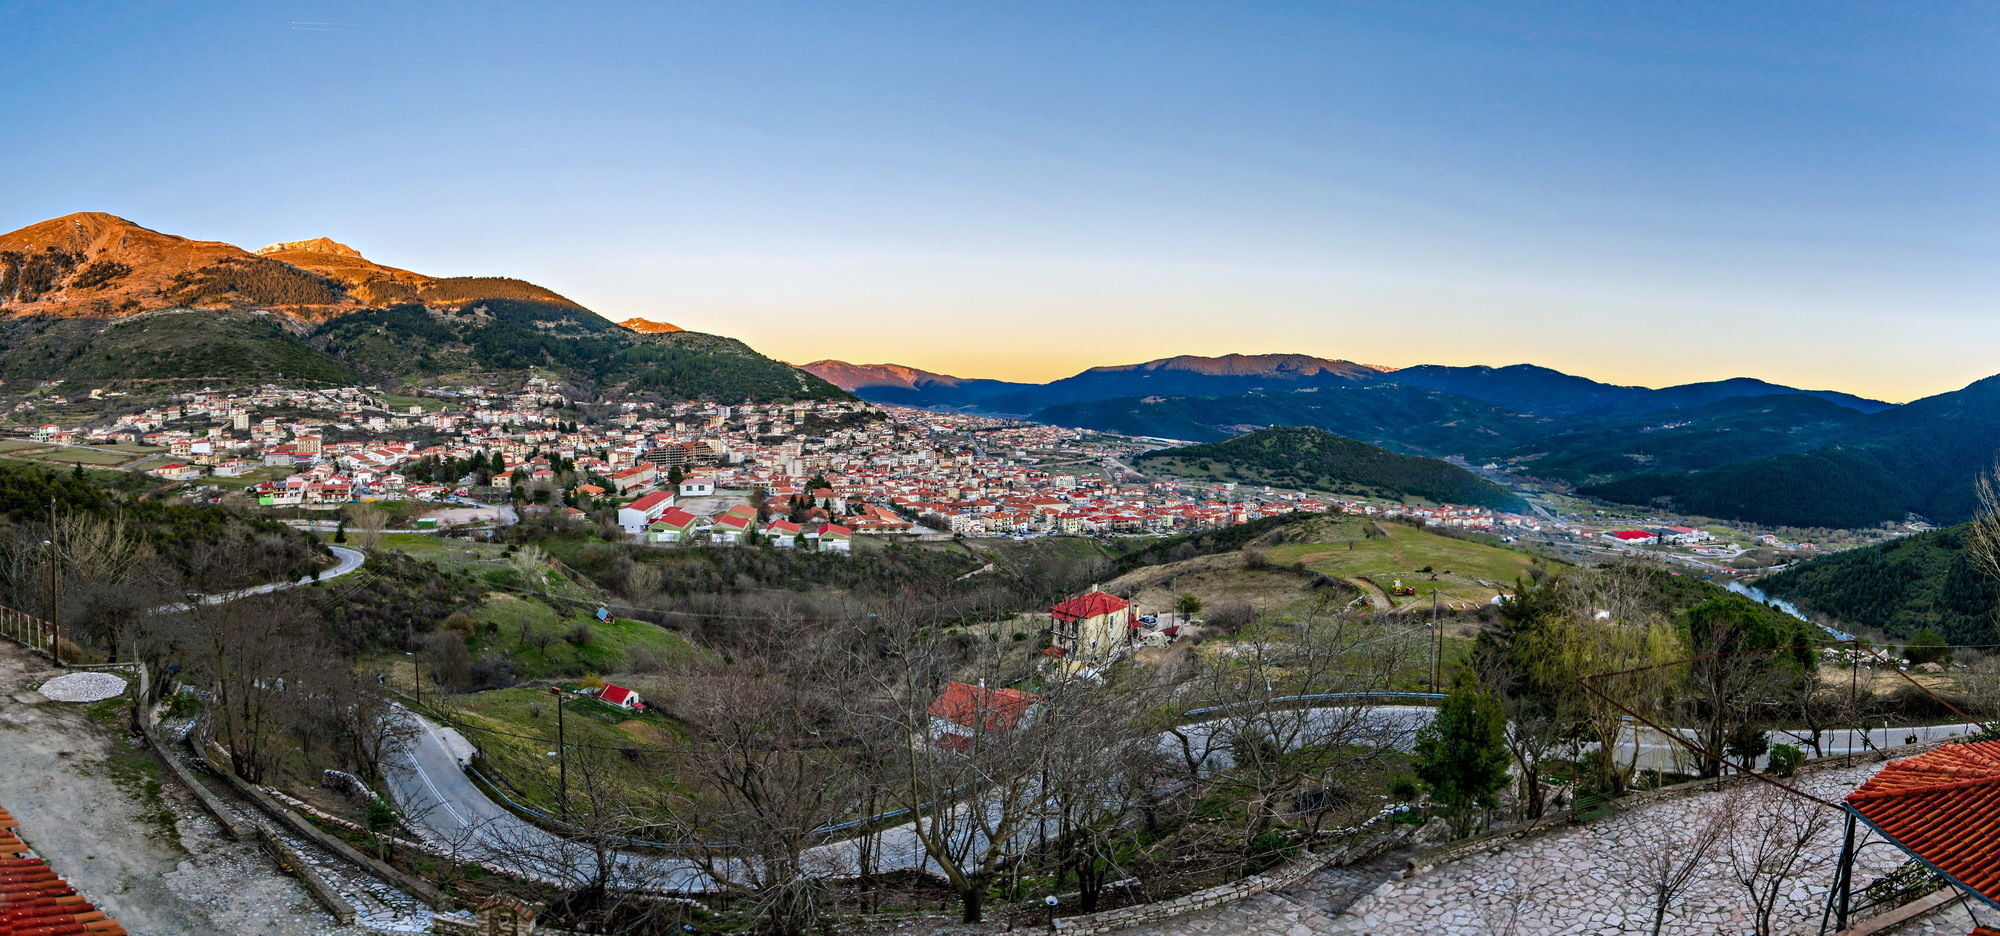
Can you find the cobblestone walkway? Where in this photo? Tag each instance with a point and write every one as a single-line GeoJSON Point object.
{"type": "Point", "coordinates": [1574, 882]}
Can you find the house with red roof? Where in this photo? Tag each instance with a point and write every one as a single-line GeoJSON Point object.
{"type": "Point", "coordinates": [963, 713]}
{"type": "Point", "coordinates": [1091, 627]}
{"type": "Point", "coordinates": [831, 537]}
{"type": "Point", "coordinates": [673, 526]}
{"type": "Point", "coordinates": [729, 528]}
{"type": "Point", "coordinates": [620, 696]}
{"type": "Point", "coordinates": [1634, 537]}
{"type": "Point", "coordinates": [783, 533]}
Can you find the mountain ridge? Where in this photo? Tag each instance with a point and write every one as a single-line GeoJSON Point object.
{"type": "Point", "coordinates": [96, 264]}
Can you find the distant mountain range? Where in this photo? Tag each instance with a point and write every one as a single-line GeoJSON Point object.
{"type": "Point", "coordinates": [1521, 388]}
{"type": "Point", "coordinates": [1317, 460]}
{"type": "Point", "coordinates": [93, 296]}
{"type": "Point", "coordinates": [1739, 449]}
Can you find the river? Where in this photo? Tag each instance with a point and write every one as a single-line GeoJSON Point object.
{"type": "Point", "coordinates": [1757, 595]}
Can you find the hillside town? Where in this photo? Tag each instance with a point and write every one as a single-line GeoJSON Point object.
{"type": "Point", "coordinates": [812, 474]}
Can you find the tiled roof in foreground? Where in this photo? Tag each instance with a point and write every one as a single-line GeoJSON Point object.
{"type": "Point", "coordinates": [1942, 806]}
{"type": "Point", "coordinates": [34, 901]}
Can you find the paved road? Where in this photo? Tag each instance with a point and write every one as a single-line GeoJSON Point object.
{"type": "Point", "coordinates": [429, 784]}
{"type": "Point", "coordinates": [348, 560]}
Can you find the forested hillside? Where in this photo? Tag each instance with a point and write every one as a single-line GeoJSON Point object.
{"type": "Point", "coordinates": [1317, 460]}
{"type": "Point", "coordinates": [1922, 582]}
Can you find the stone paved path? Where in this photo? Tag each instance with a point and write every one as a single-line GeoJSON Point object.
{"type": "Point", "coordinates": [1575, 882]}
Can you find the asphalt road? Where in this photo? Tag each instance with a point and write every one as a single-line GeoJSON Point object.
{"type": "Point", "coordinates": [432, 790]}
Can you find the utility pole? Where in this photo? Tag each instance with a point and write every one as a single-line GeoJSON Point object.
{"type": "Point", "coordinates": [55, 587]}
{"type": "Point", "coordinates": [1437, 640]}
{"type": "Point", "coordinates": [562, 755]}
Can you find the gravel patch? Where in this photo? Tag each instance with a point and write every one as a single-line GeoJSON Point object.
{"type": "Point", "coordinates": [83, 687]}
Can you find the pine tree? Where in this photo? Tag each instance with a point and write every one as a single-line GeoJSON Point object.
{"type": "Point", "coordinates": [1461, 755]}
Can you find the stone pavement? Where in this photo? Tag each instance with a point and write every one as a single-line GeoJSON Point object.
{"type": "Point", "coordinates": [1575, 881]}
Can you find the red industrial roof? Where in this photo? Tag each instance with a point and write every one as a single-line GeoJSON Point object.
{"type": "Point", "coordinates": [1942, 806]}
{"type": "Point", "coordinates": [1002, 709]}
{"type": "Point", "coordinates": [1088, 605]}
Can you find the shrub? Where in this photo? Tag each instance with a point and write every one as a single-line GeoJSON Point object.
{"type": "Point", "coordinates": [1785, 759]}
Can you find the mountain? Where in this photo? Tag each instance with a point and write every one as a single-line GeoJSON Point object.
{"type": "Point", "coordinates": [1400, 418]}
{"type": "Point", "coordinates": [1317, 460]}
{"type": "Point", "coordinates": [1185, 375]}
{"type": "Point", "coordinates": [97, 264]}
{"type": "Point", "coordinates": [650, 327]}
{"type": "Point", "coordinates": [94, 296]}
{"type": "Point", "coordinates": [908, 386]}
{"type": "Point", "coordinates": [1709, 436]}
{"type": "Point", "coordinates": [1921, 457]}
{"type": "Point", "coordinates": [1541, 391]}
{"type": "Point", "coordinates": [1919, 582]}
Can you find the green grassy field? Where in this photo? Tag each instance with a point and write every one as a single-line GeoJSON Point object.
{"type": "Point", "coordinates": [68, 456]}
{"type": "Point", "coordinates": [515, 730]}
{"type": "Point", "coordinates": [520, 627]}
{"type": "Point", "coordinates": [1464, 573]}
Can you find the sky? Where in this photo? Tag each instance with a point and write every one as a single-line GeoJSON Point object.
{"type": "Point", "coordinates": [1642, 193]}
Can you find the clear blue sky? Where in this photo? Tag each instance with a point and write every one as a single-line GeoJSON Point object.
{"type": "Point", "coordinates": [1640, 192]}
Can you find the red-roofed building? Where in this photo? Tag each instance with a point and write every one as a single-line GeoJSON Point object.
{"type": "Point", "coordinates": [1092, 626]}
{"type": "Point", "coordinates": [636, 515]}
{"type": "Point", "coordinates": [672, 526]}
{"type": "Point", "coordinates": [962, 713]}
{"type": "Point", "coordinates": [1943, 808]}
{"type": "Point", "coordinates": [1634, 537]}
{"type": "Point", "coordinates": [620, 696]}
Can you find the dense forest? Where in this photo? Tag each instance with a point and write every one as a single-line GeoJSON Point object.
{"type": "Point", "coordinates": [1922, 582]}
{"type": "Point", "coordinates": [1829, 487]}
{"type": "Point", "coordinates": [1314, 459]}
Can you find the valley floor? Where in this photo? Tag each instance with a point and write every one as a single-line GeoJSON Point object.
{"type": "Point", "coordinates": [105, 815]}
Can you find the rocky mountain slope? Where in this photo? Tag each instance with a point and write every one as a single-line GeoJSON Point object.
{"type": "Point", "coordinates": [94, 296]}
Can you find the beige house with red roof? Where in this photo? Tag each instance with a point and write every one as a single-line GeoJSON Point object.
{"type": "Point", "coordinates": [1092, 626]}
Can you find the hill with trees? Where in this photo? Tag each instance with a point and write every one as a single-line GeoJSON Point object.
{"type": "Point", "coordinates": [1901, 588]}
{"type": "Point", "coordinates": [1314, 459]}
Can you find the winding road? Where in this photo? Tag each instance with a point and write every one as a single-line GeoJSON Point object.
{"type": "Point", "coordinates": [429, 784]}
{"type": "Point", "coordinates": [347, 560]}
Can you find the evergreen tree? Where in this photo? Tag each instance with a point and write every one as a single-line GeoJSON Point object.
{"type": "Point", "coordinates": [340, 532]}
{"type": "Point", "coordinates": [1461, 755]}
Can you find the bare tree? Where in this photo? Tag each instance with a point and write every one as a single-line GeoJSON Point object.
{"type": "Point", "coordinates": [1671, 852]}
{"type": "Point", "coordinates": [369, 521]}
{"type": "Point", "coordinates": [1777, 838]}
{"type": "Point", "coordinates": [763, 769]}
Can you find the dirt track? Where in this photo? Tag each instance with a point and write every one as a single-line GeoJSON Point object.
{"type": "Point", "coordinates": [103, 813]}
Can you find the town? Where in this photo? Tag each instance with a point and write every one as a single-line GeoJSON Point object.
{"type": "Point", "coordinates": [810, 473]}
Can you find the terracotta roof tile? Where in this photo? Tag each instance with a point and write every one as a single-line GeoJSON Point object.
{"type": "Point", "coordinates": [1088, 605]}
{"type": "Point", "coordinates": [1942, 806]}
{"type": "Point", "coordinates": [35, 902]}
